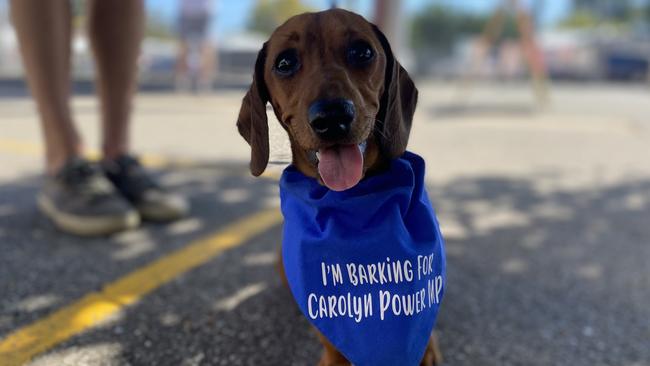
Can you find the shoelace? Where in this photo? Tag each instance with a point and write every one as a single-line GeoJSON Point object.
{"type": "Point", "coordinates": [86, 179]}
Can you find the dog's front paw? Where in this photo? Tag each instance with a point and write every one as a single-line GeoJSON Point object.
{"type": "Point", "coordinates": [432, 355]}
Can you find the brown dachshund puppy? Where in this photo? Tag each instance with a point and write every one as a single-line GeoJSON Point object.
{"type": "Point", "coordinates": [344, 100]}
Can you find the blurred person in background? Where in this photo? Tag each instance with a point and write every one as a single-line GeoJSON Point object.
{"type": "Point", "coordinates": [79, 196]}
{"type": "Point", "coordinates": [197, 60]}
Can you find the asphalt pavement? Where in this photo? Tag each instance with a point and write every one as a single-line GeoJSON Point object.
{"type": "Point", "coordinates": [545, 211]}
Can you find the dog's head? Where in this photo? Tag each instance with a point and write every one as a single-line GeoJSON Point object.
{"type": "Point", "coordinates": [337, 90]}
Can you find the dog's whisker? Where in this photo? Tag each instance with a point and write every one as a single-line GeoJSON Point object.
{"type": "Point", "coordinates": [376, 121]}
{"type": "Point", "coordinates": [381, 133]}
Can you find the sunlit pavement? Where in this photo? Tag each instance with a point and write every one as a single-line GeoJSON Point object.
{"type": "Point", "coordinates": [545, 212]}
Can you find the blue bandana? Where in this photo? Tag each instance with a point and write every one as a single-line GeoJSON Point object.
{"type": "Point", "coordinates": [366, 265]}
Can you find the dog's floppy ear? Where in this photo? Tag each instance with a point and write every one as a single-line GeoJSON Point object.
{"type": "Point", "coordinates": [252, 122]}
{"type": "Point", "coordinates": [397, 104]}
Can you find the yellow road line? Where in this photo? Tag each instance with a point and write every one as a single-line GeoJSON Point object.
{"type": "Point", "coordinates": [20, 147]}
{"type": "Point", "coordinates": [26, 148]}
{"type": "Point", "coordinates": [98, 307]}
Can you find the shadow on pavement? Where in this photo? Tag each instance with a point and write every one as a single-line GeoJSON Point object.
{"type": "Point", "coordinates": [463, 110]}
{"type": "Point", "coordinates": [545, 277]}
{"type": "Point", "coordinates": [536, 276]}
{"type": "Point", "coordinates": [45, 268]}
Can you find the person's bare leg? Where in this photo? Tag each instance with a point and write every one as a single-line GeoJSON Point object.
{"type": "Point", "coordinates": [115, 30]}
{"type": "Point", "coordinates": [208, 65]}
{"type": "Point", "coordinates": [44, 31]}
{"type": "Point", "coordinates": [181, 68]}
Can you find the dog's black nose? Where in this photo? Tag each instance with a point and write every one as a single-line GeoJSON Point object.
{"type": "Point", "coordinates": [331, 118]}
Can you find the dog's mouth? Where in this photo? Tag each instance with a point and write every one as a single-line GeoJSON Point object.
{"type": "Point", "coordinates": [341, 166]}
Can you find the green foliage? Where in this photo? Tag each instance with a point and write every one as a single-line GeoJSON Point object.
{"type": "Point", "coordinates": [269, 14]}
{"type": "Point", "coordinates": [78, 10]}
{"type": "Point", "coordinates": [615, 10]}
{"type": "Point", "coordinates": [156, 27]}
{"type": "Point", "coordinates": [580, 19]}
{"type": "Point", "coordinates": [591, 13]}
{"type": "Point", "coordinates": [437, 28]}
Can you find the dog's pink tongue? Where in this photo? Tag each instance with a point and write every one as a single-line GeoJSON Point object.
{"type": "Point", "coordinates": [340, 166]}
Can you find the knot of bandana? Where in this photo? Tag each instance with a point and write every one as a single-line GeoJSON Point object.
{"type": "Point", "coordinates": [366, 265]}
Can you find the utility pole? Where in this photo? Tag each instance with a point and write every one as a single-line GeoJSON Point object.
{"type": "Point", "coordinates": [388, 17]}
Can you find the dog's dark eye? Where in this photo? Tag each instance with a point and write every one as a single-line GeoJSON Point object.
{"type": "Point", "coordinates": [360, 53]}
{"type": "Point", "coordinates": [286, 64]}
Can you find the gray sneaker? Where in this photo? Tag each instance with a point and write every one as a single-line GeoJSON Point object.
{"type": "Point", "coordinates": [152, 201]}
{"type": "Point", "coordinates": [80, 200]}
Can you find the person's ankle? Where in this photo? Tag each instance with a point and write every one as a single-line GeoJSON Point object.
{"type": "Point", "coordinates": [54, 165]}
{"type": "Point", "coordinates": [113, 154]}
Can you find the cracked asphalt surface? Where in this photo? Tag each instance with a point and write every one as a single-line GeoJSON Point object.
{"type": "Point", "coordinates": [545, 214]}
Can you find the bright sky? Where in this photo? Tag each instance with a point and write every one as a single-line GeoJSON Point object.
{"type": "Point", "coordinates": [233, 14]}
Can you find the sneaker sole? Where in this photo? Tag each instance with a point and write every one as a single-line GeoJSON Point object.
{"type": "Point", "coordinates": [160, 215]}
{"type": "Point", "coordinates": [87, 226]}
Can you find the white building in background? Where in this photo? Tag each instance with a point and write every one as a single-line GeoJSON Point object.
{"type": "Point", "coordinates": [237, 54]}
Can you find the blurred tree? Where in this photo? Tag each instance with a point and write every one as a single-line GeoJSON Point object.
{"type": "Point", "coordinates": [590, 13]}
{"type": "Point", "coordinates": [437, 29]}
{"type": "Point", "coordinates": [157, 27]}
{"type": "Point", "coordinates": [581, 19]}
{"type": "Point", "coordinates": [613, 9]}
{"type": "Point", "coordinates": [269, 14]}
{"type": "Point", "coordinates": [78, 13]}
